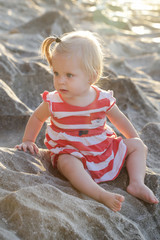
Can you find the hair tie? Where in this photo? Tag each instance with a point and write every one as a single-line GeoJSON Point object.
{"type": "Point", "coordinates": [58, 40]}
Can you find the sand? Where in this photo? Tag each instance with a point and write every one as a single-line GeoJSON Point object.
{"type": "Point", "coordinates": [37, 202]}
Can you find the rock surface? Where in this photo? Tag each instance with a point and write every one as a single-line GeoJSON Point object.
{"type": "Point", "coordinates": [36, 202]}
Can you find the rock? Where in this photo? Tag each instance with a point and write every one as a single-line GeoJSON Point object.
{"type": "Point", "coordinates": [150, 134]}
{"type": "Point", "coordinates": [35, 77]}
{"type": "Point", "coordinates": [25, 74]}
{"type": "Point", "coordinates": [14, 115]}
{"type": "Point", "coordinates": [36, 202]}
{"type": "Point", "coordinates": [11, 108]}
{"type": "Point", "coordinates": [45, 23]}
{"type": "Point", "coordinates": [131, 100]}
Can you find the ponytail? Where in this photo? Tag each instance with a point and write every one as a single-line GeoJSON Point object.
{"type": "Point", "coordinates": [46, 48]}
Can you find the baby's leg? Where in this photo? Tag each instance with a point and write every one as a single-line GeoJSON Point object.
{"type": "Point", "coordinates": [136, 166]}
{"type": "Point", "coordinates": [72, 168]}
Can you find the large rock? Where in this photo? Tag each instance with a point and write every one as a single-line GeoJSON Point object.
{"type": "Point", "coordinates": [14, 115]}
{"type": "Point", "coordinates": [131, 100]}
{"type": "Point", "coordinates": [36, 202]}
{"type": "Point", "coordinates": [150, 135]}
{"type": "Point", "coordinates": [45, 24]}
{"type": "Point", "coordinates": [12, 109]}
{"type": "Point", "coordinates": [28, 78]}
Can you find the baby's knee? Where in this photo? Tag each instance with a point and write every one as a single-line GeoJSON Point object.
{"type": "Point", "coordinates": [140, 145]}
{"type": "Point", "coordinates": [64, 163]}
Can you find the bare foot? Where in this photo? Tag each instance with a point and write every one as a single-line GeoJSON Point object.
{"type": "Point", "coordinates": [112, 200]}
{"type": "Point", "coordinates": [142, 192]}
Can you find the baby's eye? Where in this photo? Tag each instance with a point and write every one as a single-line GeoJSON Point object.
{"type": "Point", "coordinates": [56, 73]}
{"type": "Point", "coordinates": [69, 75]}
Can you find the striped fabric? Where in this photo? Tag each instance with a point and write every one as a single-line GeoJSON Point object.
{"type": "Point", "coordinates": [83, 133]}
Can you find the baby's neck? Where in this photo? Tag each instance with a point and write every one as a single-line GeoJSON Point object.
{"type": "Point", "coordinates": [83, 101]}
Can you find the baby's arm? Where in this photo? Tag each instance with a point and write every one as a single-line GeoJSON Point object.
{"type": "Point", "coordinates": [121, 122]}
{"type": "Point", "coordinates": [33, 128]}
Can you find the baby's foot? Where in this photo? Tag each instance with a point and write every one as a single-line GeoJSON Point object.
{"type": "Point", "coordinates": [112, 200]}
{"type": "Point", "coordinates": [142, 192]}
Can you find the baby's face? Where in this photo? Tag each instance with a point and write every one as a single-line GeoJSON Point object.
{"type": "Point", "coordinates": [69, 78]}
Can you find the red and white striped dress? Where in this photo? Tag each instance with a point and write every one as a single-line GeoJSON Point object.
{"type": "Point", "coordinates": [83, 133]}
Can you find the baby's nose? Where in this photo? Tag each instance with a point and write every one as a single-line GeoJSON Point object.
{"type": "Point", "coordinates": [62, 79]}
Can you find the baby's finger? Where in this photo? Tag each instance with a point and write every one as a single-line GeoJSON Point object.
{"type": "Point", "coordinates": [33, 149]}
{"type": "Point", "coordinates": [24, 147]}
{"type": "Point", "coordinates": [19, 147]}
{"type": "Point", "coordinates": [36, 148]}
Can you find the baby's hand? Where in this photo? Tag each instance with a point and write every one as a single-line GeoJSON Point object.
{"type": "Point", "coordinates": [31, 146]}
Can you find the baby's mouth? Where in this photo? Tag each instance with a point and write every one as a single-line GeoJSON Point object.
{"type": "Point", "coordinates": [63, 90]}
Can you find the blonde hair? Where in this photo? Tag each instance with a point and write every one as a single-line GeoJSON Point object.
{"type": "Point", "coordinates": [84, 44]}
